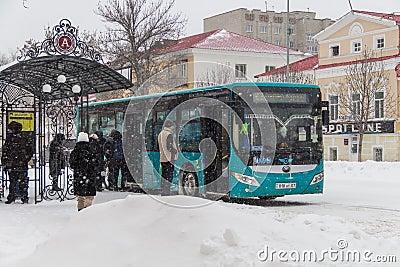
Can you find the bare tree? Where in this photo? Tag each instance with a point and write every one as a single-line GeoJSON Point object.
{"type": "Point", "coordinates": [5, 59]}
{"type": "Point", "coordinates": [215, 75]}
{"type": "Point", "coordinates": [366, 81]}
{"type": "Point", "coordinates": [295, 76]}
{"type": "Point", "coordinates": [137, 28]}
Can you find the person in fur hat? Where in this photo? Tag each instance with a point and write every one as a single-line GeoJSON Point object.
{"type": "Point", "coordinates": [83, 161]}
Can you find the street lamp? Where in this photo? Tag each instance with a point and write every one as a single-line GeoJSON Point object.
{"type": "Point", "coordinates": [46, 88]}
{"type": "Point", "coordinates": [76, 89]}
{"type": "Point", "coordinates": [61, 79]}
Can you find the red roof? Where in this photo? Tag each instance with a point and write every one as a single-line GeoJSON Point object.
{"type": "Point", "coordinates": [308, 63]}
{"type": "Point", "coordinates": [225, 40]}
{"type": "Point", "coordinates": [356, 62]}
{"type": "Point", "coordinates": [380, 15]}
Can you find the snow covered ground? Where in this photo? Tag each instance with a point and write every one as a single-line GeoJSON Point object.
{"type": "Point", "coordinates": [356, 222]}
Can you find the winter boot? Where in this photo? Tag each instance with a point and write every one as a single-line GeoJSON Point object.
{"type": "Point", "coordinates": [55, 186]}
{"type": "Point", "coordinates": [10, 200]}
{"type": "Point", "coordinates": [25, 200]}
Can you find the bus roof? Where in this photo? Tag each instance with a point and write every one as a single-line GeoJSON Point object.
{"type": "Point", "coordinates": [199, 89]}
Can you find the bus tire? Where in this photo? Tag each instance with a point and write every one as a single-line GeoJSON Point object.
{"type": "Point", "coordinates": [189, 184]}
{"type": "Point", "coordinates": [268, 197]}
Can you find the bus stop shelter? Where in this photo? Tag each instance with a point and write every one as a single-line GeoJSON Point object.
{"type": "Point", "coordinates": [42, 89]}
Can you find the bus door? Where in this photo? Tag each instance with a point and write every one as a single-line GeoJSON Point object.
{"type": "Point", "coordinates": [137, 135]}
{"type": "Point", "coordinates": [215, 130]}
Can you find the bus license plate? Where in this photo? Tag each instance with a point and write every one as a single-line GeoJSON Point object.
{"type": "Point", "coordinates": [285, 185]}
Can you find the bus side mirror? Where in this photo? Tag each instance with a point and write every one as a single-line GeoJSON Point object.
{"type": "Point", "coordinates": [325, 117]}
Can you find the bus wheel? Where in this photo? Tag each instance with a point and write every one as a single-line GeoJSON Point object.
{"type": "Point", "coordinates": [268, 197]}
{"type": "Point", "coordinates": [189, 184]}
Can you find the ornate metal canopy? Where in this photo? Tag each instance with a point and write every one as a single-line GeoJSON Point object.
{"type": "Point", "coordinates": [41, 90]}
{"type": "Point", "coordinates": [62, 54]}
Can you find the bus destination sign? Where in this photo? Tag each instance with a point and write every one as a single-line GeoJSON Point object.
{"type": "Point", "coordinates": [280, 98]}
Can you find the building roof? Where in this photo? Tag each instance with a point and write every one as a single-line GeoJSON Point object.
{"type": "Point", "coordinates": [226, 40]}
{"type": "Point", "coordinates": [357, 61]}
{"type": "Point", "coordinates": [393, 17]}
{"type": "Point", "coordinates": [308, 63]}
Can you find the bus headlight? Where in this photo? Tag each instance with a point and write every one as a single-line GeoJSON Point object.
{"type": "Point", "coordinates": [245, 179]}
{"type": "Point", "coordinates": [317, 178]}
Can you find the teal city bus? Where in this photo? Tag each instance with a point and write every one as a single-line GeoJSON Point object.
{"type": "Point", "coordinates": [239, 140]}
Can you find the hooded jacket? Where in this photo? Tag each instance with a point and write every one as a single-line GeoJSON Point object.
{"type": "Point", "coordinates": [83, 162]}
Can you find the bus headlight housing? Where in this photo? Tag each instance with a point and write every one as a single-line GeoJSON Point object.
{"type": "Point", "coordinates": [245, 179]}
{"type": "Point", "coordinates": [317, 178]}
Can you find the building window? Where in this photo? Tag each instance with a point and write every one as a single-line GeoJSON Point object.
{"type": "Point", "coordinates": [184, 69]}
{"type": "Point", "coordinates": [315, 49]}
{"type": "Point", "coordinates": [380, 42]}
{"type": "Point", "coordinates": [333, 154]}
{"type": "Point", "coordinates": [379, 104]}
{"type": "Point", "coordinates": [263, 29]}
{"type": "Point", "coordinates": [356, 46]}
{"type": "Point", "coordinates": [240, 71]}
{"type": "Point", "coordinates": [277, 42]}
{"type": "Point", "coordinates": [354, 144]}
{"type": "Point", "coordinates": [335, 50]}
{"type": "Point", "coordinates": [291, 44]}
{"type": "Point", "coordinates": [291, 31]}
{"type": "Point", "coordinates": [249, 28]}
{"type": "Point", "coordinates": [312, 49]}
{"type": "Point", "coordinates": [269, 68]}
{"type": "Point", "coordinates": [309, 37]}
{"type": "Point", "coordinates": [277, 30]}
{"type": "Point", "coordinates": [377, 153]}
{"type": "Point", "coordinates": [356, 105]}
{"type": "Point", "coordinates": [333, 107]}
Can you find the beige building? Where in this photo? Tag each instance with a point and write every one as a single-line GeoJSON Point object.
{"type": "Point", "coordinates": [342, 45]}
{"type": "Point", "coordinates": [270, 26]}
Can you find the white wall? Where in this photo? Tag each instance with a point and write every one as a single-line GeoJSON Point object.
{"type": "Point", "coordinates": [255, 62]}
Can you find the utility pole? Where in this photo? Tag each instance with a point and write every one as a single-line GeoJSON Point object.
{"type": "Point", "coordinates": [287, 42]}
{"type": "Point", "coordinates": [351, 6]}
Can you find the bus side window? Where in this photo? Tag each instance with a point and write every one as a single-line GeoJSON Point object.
{"type": "Point", "coordinates": [189, 137]}
{"type": "Point", "coordinates": [119, 121]}
{"type": "Point", "coordinates": [149, 132]}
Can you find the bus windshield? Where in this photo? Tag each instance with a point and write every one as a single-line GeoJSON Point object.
{"type": "Point", "coordinates": [291, 126]}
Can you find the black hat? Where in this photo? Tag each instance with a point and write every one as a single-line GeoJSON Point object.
{"type": "Point", "coordinates": [15, 127]}
{"type": "Point", "coordinates": [59, 137]}
{"type": "Point", "coordinates": [99, 133]}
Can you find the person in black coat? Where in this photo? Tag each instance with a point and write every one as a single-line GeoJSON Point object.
{"type": "Point", "coordinates": [56, 159]}
{"type": "Point", "coordinates": [114, 154]}
{"type": "Point", "coordinates": [16, 153]}
{"type": "Point", "coordinates": [83, 161]}
{"type": "Point", "coordinates": [97, 150]}
{"type": "Point", "coordinates": [101, 141]}
{"type": "Point", "coordinates": [108, 149]}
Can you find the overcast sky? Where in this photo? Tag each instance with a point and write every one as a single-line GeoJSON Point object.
{"type": "Point", "coordinates": [19, 24]}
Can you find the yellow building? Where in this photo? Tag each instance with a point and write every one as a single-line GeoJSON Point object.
{"type": "Point", "coordinates": [359, 38]}
{"type": "Point", "coordinates": [341, 46]}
